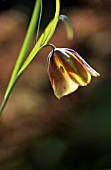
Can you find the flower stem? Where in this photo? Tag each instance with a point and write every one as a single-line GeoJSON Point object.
{"type": "Point", "coordinates": [23, 52]}
{"type": "Point", "coordinates": [21, 65]}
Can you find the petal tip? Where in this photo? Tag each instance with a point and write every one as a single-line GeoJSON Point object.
{"type": "Point", "coordinates": [97, 74]}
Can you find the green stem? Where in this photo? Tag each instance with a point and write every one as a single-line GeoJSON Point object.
{"type": "Point", "coordinates": [48, 45]}
{"type": "Point", "coordinates": [23, 52]}
{"type": "Point", "coordinates": [17, 77]}
{"type": "Point", "coordinates": [7, 96]}
{"type": "Point", "coordinates": [43, 40]}
{"type": "Point", "coordinates": [27, 42]}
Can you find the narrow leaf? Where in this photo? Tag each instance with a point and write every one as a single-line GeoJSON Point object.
{"type": "Point", "coordinates": [68, 25]}
{"type": "Point", "coordinates": [26, 44]}
{"type": "Point", "coordinates": [23, 52]}
{"type": "Point", "coordinates": [44, 39]}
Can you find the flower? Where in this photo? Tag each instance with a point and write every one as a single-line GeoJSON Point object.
{"type": "Point", "coordinates": [67, 71]}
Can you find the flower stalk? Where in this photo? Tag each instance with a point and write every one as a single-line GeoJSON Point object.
{"type": "Point", "coordinates": [67, 70]}
{"type": "Point", "coordinates": [20, 65]}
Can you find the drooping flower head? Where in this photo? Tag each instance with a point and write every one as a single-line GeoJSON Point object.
{"type": "Point", "coordinates": [67, 71]}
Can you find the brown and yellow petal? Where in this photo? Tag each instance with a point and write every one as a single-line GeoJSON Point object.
{"type": "Point", "coordinates": [74, 54]}
{"type": "Point", "coordinates": [67, 71]}
{"type": "Point", "coordinates": [60, 79]}
{"type": "Point", "coordinates": [75, 69]}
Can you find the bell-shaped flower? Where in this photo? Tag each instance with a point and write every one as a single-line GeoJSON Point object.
{"type": "Point", "coordinates": [67, 71]}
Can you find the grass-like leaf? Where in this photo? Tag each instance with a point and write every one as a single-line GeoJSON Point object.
{"type": "Point", "coordinates": [68, 26]}
{"type": "Point", "coordinates": [43, 40]}
{"type": "Point", "coordinates": [26, 44]}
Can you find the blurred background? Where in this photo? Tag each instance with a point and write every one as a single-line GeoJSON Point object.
{"type": "Point", "coordinates": [38, 131]}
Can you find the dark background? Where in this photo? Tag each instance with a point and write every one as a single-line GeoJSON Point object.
{"type": "Point", "coordinates": [38, 131]}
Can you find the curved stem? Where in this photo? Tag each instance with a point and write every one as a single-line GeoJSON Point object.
{"type": "Point", "coordinates": [21, 65]}
{"type": "Point", "coordinates": [26, 44]}
{"type": "Point", "coordinates": [23, 52]}
{"type": "Point", "coordinates": [68, 26]}
{"type": "Point", "coordinates": [49, 31]}
{"type": "Point", "coordinates": [17, 77]}
{"type": "Point", "coordinates": [48, 45]}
